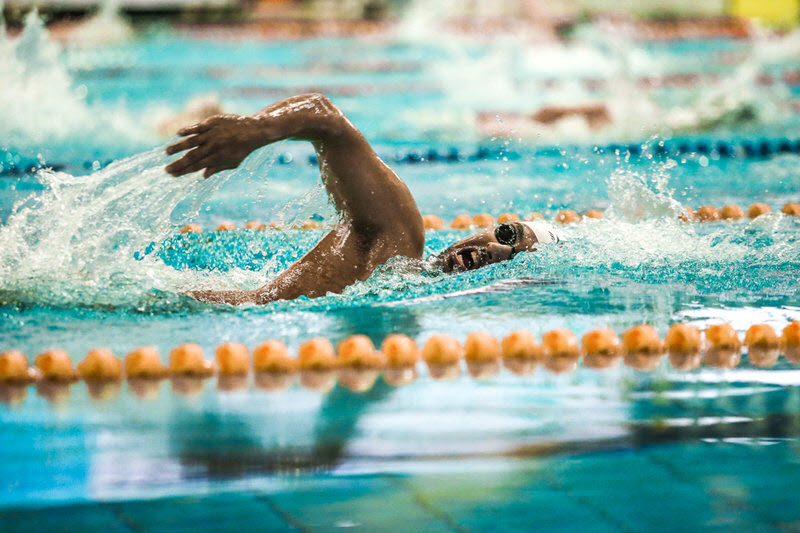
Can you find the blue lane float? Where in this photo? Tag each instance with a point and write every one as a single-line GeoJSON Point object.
{"type": "Point", "coordinates": [12, 164]}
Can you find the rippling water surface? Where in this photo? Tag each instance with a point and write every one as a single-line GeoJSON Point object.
{"type": "Point", "coordinates": [90, 256]}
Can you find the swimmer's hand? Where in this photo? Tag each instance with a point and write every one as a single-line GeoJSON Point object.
{"type": "Point", "coordinates": [218, 143]}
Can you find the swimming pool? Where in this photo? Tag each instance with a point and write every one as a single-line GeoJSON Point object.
{"type": "Point", "coordinates": [97, 261]}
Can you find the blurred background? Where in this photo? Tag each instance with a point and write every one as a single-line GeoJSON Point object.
{"type": "Point", "coordinates": [782, 13]}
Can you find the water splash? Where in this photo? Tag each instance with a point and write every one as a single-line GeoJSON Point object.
{"type": "Point", "coordinates": [95, 240]}
{"type": "Point", "coordinates": [108, 240]}
{"type": "Point", "coordinates": [106, 27]}
{"type": "Point", "coordinates": [41, 107]}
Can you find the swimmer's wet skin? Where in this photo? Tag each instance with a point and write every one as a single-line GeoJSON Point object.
{"type": "Point", "coordinates": [380, 219]}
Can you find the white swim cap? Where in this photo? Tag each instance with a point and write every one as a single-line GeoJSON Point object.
{"type": "Point", "coordinates": [545, 233]}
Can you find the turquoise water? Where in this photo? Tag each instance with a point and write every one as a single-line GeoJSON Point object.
{"type": "Point", "coordinates": [91, 256]}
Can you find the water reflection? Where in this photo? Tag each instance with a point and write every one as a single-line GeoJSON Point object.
{"type": "Point", "coordinates": [227, 445]}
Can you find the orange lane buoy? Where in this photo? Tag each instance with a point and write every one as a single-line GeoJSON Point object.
{"type": "Point", "coordinates": [790, 341]}
{"type": "Point", "coordinates": [560, 342]}
{"type": "Point", "coordinates": [723, 336]}
{"type": "Point", "coordinates": [758, 209]}
{"type": "Point", "coordinates": [461, 222]}
{"type": "Point", "coordinates": [534, 215]}
{"type": "Point", "coordinates": [561, 350]}
{"type": "Point", "coordinates": [400, 351]}
{"type": "Point", "coordinates": [188, 360]}
{"type": "Point", "coordinates": [708, 213]}
{"type": "Point", "coordinates": [100, 365]}
{"type": "Point", "coordinates": [144, 362]}
{"type": "Point", "coordinates": [567, 216]}
{"type": "Point", "coordinates": [191, 228]}
{"type": "Point", "coordinates": [507, 217]}
{"type": "Point", "coordinates": [643, 348]}
{"type": "Point", "coordinates": [233, 359]}
{"type": "Point", "coordinates": [687, 214]}
{"type": "Point", "coordinates": [55, 365]}
{"type": "Point", "coordinates": [642, 338]}
{"type": "Point", "coordinates": [273, 356]}
{"type": "Point", "coordinates": [601, 341]}
{"type": "Point", "coordinates": [593, 213]}
{"type": "Point", "coordinates": [14, 367]}
{"type": "Point", "coordinates": [483, 220]}
{"type": "Point", "coordinates": [442, 354]}
{"type": "Point", "coordinates": [442, 350]}
{"type": "Point", "coordinates": [601, 348]}
{"type": "Point", "coordinates": [683, 345]}
{"type": "Point", "coordinates": [226, 226]}
{"type": "Point", "coordinates": [357, 351]}
{"type": "Point", "coordinates": [791, 209]}
{"type": "Point", "coordinates": [762, 345]}
{"type": "Point", "coordinates": [432, 222]}
{"type": "Point", "coordinates": [731, 212]}
{"type": "Point", "coordinates": [521, 344]}
{"type": "Point", "coordinates": [724, 346]}
{"type": "Point", "coordinates": [255, 225]}
{"type": "Point", "coordinates": [481, 347]}
{"type": "Point", "coordinates": [317, 355]}
{"type": "Point", "coordinates": [682, 338]}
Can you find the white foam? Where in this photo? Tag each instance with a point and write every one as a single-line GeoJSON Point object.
{"type": "Point", "coordinates": [83, 239]}
{"type": "Point", "coordinates": [41, 107]}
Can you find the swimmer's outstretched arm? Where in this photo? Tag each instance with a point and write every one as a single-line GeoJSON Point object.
{"type": "Point", "coordinates": [380, 219]}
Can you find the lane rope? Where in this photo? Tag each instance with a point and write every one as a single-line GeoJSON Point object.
{"type": "Point", "coordinates": [705, 213]}
{"type": "Point", "coordinates": [12, 164]}
{"type": "Point", "coordinates": [356, 363]}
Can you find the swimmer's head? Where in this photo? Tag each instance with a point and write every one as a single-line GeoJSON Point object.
{"type": "Point", "coordinates": [496, 244]}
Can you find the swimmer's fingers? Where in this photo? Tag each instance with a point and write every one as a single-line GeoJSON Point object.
{"type": "Point", "coordinates": [213, 170]}
{"type": "Point", "coordinates": [176, 168]}
{"type": "Point", "coordinates": [187, 162]}
{"type": "Point", "coordinates": [185, 144]}
{"type": "Point", "coordinates": [211, 163]}
{"type": "Point", "coordinates": [194, 129]}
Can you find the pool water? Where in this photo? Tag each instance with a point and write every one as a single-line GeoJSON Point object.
{"type": "Point", "coordinates": [90, 256]}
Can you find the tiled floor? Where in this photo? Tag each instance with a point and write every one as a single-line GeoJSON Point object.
{"type": "Point", "coordinates": [693, 486]}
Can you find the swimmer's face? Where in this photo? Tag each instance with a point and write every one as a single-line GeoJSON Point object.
{"type": "Point", "coordinates": [491, 246]}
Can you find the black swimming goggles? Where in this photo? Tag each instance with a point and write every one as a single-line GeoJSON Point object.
{"type": "Point", "coordinates": [508, 234]}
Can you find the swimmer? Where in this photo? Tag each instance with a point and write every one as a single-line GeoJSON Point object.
{"type": "Point", "coordinates": [379, 218]}
{"type": "Point", "coordinates": [501, 124]}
